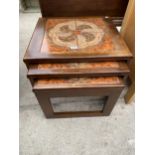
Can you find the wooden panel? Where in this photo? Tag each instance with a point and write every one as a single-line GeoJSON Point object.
{"type": "Point", "coordinates": [128, 33]}
{"type": "Point", "coordinates": [74, 8]}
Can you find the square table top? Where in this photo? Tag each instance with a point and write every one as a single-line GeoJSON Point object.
{"type": "Point", "coordinates": [71, 39]}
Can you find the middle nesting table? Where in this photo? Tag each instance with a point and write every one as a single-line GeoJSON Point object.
{"type": "Point", "coordinates": [77, 70]}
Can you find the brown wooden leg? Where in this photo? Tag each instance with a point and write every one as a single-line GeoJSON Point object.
{"type": "Point", "coordinates": [111, 101]}
{"type": "Point", "coordinates": [45, 104]}
{"type": "Point", "coordinates": [129, 96]}
{"type": "Point", "coordinates": [31, 81]}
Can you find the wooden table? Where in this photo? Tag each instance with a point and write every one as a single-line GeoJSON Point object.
{"type": "Point", "coordinates": [82, 56]}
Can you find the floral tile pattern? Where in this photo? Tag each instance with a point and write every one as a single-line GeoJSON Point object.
{"type": "Point", "coordinates": [82, 36]}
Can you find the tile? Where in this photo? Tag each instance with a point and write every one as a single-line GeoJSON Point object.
{"type": "Point", "coordinates": [82, 36]}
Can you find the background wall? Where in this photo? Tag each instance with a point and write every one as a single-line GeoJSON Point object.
{"type": "Point", "coordinates": [30, 3]}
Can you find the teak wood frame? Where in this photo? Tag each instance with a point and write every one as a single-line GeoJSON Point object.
{"type": "Point", "coordinates": [43, 96]}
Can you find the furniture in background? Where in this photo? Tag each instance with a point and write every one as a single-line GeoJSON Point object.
{"type": "Point", "coordinates": [128, 34]}
{"type": "Point", "coordinates": [113, 10]}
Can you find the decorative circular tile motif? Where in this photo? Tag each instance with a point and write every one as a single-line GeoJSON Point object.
{"type": "Point", "coordinates": [77, 35]}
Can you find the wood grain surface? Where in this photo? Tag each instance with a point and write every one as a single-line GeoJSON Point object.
{"type": "Point", "coordinates": [76, 82]}
{"type": "Point", "coordinates": [74, 70]}
{"type": "Point", "coordinates": [128, 33]}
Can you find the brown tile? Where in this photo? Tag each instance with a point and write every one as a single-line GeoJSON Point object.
{"type": "Point", "coordinates": [74, 37]}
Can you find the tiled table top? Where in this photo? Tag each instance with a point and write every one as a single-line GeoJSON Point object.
{"type": "Point", "coordinates": [88, 36]}
{"type": "Point", "coordinates": [76, 37]}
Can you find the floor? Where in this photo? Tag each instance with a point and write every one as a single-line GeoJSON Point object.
{"type": "Point", "coordinates": [113, 135]}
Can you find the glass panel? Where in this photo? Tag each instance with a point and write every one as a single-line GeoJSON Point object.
{"type": "Point", "coordinates": [67, 104]}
